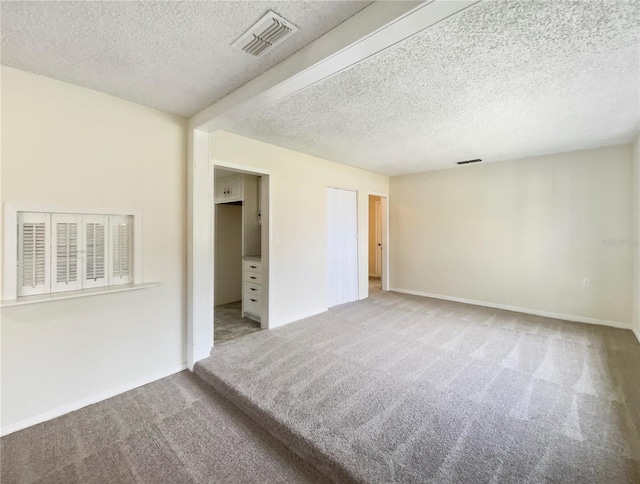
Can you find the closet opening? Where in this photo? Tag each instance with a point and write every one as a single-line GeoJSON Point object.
{"type": "Point", "coordinates": [240, 282]}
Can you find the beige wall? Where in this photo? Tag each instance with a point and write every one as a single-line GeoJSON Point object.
{"type": "Point", "coordinates": [70, 146]}
{"type": "Point", "coordinates": [372, 233]}
{"type": "Point", "coordinates": [299, 219]}
{"type": "Point", "coordinates": [228, 258]}
{"type": "Point", "coordinates": [636, 236]}
{"type": "Point", "coordinates": [521, 233]}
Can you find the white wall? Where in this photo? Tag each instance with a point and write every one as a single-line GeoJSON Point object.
{"type": "Point", "coordinates": [636, 237]}
{"type": "Point", "coordinates": [70, 146]}
{"type": "Point", "coordinates": [521, 233]}
{"type": "Point", "coordinates": [299, 184]}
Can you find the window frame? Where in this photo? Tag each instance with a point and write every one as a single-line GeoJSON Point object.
{"type": "Point", "coordinates": [10, 256]}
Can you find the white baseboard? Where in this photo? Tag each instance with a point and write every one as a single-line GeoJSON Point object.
{"type": "Point", "coordinates": [70, 407]}
{"type": "Point", "coordinates": [298, 317]}
{"type": "Point", "coordinates": [546, 314]}
{"type": "Point", "coordinates": [637, 333]}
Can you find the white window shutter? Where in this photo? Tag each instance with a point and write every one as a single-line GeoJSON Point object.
{"type": "Point", "coordinates": [120, 249]}
{"type": "Point", "coordinates": [66, 266]}
{"type": "Point", "coordinates": [34, 251]}
{"type": "Point", "coordinates": [96, 255]}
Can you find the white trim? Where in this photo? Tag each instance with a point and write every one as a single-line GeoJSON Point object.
{"type": "Point", "coordinates": [535, 312]}
{"type": "Point", "coordinates": [637, 333]}
{"type": "Point", "coordinates": [10, 276]}
{"type": "Point", "coordinates": [200, 301]}
{"type": "Point", "coordinates": [59, 296]}
{"type": "Point", "coordinates": [242, 169]}
{"type": "Point", "coordinates": [265, 247]}
{"type": "Point", "coordinates": [70, 407]}
{"type": "Point", "coordinates": [298, 317]}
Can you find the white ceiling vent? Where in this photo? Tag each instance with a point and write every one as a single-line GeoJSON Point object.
{"type": "Point", "coordinates": [265, 34]}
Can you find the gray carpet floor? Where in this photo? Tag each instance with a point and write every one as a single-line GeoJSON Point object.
{"type": "Point", "coordinates": [175, 430]}
{"type": "Point", "coordinates": [400, 388]}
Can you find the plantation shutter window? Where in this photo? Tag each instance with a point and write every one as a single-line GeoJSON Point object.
{"type": "Point", "coordinates": [33, 254]}
{"type": "Point", "coordinates": [120, 249]}
{"type": "Point", "coordinates": [66, 266]}
{"type": "Point", "coordinates": [95, 250]}
{"type": "Point", "coordinates": [75, 253]}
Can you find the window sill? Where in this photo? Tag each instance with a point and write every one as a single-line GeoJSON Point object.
{"type": "Point", "coordinates": [59, 296]}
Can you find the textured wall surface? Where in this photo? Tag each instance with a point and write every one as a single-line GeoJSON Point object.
{"type": "Point", "coordinates": [502, 80]}
{"type": "Point", "coordinates": [172, 56]}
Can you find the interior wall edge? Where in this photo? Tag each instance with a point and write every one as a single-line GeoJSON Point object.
{"type": "Point", "coordinates": [77, 405]}
{"type": "Point", "coordinates": [534, 312]}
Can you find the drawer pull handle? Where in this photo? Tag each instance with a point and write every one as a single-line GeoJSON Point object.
{"type": "Point", "coordinates": [252, 277]}
{"type": "Point", "coordinates": [253, 288]}
{"type": "Point", "coordinates": [254, 267]}
{"type": "Point", "coordinates": [253, 300]}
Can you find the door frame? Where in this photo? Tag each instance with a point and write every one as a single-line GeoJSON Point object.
{"type": "Point", "coordinates": [384, 204]}
{"type": "Point", "coordinates": [201, 289]}
{"type": "Point", "coordinates": [265, 235]}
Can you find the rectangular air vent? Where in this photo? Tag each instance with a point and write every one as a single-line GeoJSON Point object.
{"type": "Point", "coordinates": [268, 32]}
{"type": "Point", "coordinates": [477, 160]}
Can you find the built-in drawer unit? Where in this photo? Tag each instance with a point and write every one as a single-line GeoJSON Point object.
{"type": "Point", "coordinates": [252, 287]}
{"type": "Point", "coordinates": [252, 266]}
{"type": "Point", "coordinates": [252, 305]}
{"type": "Point", "coordinates": [252, 277]}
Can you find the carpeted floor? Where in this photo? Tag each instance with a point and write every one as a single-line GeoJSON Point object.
{"type": "Point", "coordinates": [175, 430]}
{"type": "Point", "coordinates": [400, 388]}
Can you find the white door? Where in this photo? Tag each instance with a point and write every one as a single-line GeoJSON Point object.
{"type": "Point", "coordinates": [378, 231]}
{"type": "Point", "coordinates": [342, 246]}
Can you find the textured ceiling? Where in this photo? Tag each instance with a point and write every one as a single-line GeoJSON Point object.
{"type": "Point", "coordinates": [172, 56]}
{"type": "Point", "coordinates": [501, 80]}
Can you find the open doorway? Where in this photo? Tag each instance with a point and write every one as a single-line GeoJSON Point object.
{"type": "Point", "coordinates": [377, 243]}
{"type": "Point", "coordinates": [239, 283]}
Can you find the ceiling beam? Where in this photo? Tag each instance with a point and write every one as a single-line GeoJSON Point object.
{"type": "Point", "coordinates": [370, 31]}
